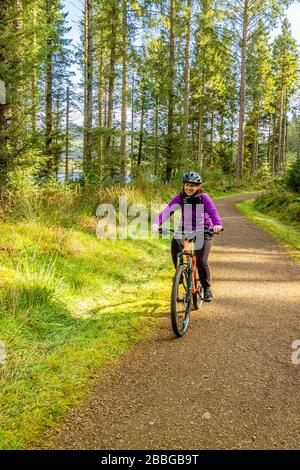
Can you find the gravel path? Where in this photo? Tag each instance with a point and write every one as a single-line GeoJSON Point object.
{"type": "Point", "coordinates": [228, 384]}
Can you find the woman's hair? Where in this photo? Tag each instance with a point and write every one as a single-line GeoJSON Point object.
{"type": "Point", "coordinates": [200, 190]}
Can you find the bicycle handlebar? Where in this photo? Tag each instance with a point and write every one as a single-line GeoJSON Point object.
{"type": "Point", "coordinates": [189, 234]}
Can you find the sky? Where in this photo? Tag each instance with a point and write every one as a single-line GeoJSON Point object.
{"type": "Point", "coordinates": [75, 8]}
{"type": "Point", "coordinates": [294, 18]}
{"type": "Point", "coordinates": [293, 14]}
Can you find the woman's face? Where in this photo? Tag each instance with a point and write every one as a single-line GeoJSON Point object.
{"type": "Point", "coordinates": [190, 188]}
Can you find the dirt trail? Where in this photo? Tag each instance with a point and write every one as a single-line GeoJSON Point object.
{"type": "Point", "coordinates": [229, 383]}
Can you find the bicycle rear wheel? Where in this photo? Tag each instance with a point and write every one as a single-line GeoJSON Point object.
{"type": "Point", "coordinates": [180, 301]}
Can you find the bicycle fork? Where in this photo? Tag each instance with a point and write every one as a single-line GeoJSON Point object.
{"type": "Point", "coordinates": [192, 270]}
{"type": "Point", "coordinates": [191, 263]}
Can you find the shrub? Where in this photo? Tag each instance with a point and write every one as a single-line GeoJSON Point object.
{"type": "Point", "coordinates": [292, 179]}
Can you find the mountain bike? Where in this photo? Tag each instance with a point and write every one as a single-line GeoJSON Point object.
{"type": "Point", "coordinates": [186, 288]}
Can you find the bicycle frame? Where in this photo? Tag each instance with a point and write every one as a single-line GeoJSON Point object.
{"type": "Point", "coordinates": [191, 261]}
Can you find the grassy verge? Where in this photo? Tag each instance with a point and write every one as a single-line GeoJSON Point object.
{"type": "Point", "coordinates": [69, 303]}
{"type": "Point", "coordinates": [280, 204]}
{"type": "Point", "coordinates": [288, 235]}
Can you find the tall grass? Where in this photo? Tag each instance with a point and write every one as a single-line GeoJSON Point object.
{"type": "Point", "coordinates": [73, 205]}
{"type": "Point", "coordinates": [33, 286]}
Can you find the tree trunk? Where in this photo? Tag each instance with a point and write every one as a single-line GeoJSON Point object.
{"type": "Point", "coordinates": [284, 139]}
{"type": "Point", "coordinates": [281, 131]}
{"type": "Point", "coordinates": [232, 138]}
{"type": "Point", "coordinates": [141, 133]}
{"type": "Point", "coordinates": [171, 67]}
{"type": "Point", "coordinates": [88, 99]}
{"type": "Point", "coordinates": [111, 82]}
{"type": "Point", "coordinates": [56, 149]}
{"type": "Point", "coordinates": [67, 135]}
{"type": "Point", "coordinates": [187, 82]}
{"type": "Point", "coordinates": [240, 156]}
{"type": "Point", "coordinates": [3, 145]}
{"type": "Point", "coordinates": [193, 141]}
{"type": "Point", "coordinates": [100, 108]}
{"type": "Point", "coordinates": [49, 95]}
{"type": "Point", "coordinates": [254, 150]}
{"type": "Point", "coordinates": [274, 167]}
{"type": "Point", "coordinates": [105, 117]}
{"type": "Point", "coordinates": [17, 112]}
{"type": "Point", "coordinates": [211, 155]}
{"type": "Point", "coordinates": [298, 138]}
{"type": "Point", "coordinates": [156, 136]}
{"type": "Point", "coordinates": [3, 112]}
{"type": "Point", "coordinates": [124, 94]}
{"type": "Point", "coordinates": [34, 82]}
{"type": "Point", "coordinates": [200, 138]}
{"type": "Point", "coordinates": [269, 144]}
{"type": "Point", "coordinates": [132, 125]}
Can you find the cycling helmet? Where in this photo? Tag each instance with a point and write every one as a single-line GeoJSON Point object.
{"type": "Point", "coordinates": [192, 177]}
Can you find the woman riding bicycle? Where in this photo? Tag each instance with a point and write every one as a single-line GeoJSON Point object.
{"type": "Point", "coordinates": [193, 194]}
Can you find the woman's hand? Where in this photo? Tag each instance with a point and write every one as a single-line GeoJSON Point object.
{"type": "Point", "coordinates": [217, 228]}
{"type": "Point", "coordinates": [155, 228]}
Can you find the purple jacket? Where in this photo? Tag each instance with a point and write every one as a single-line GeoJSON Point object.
{"type": "Point", "coordinates": [210, 218]}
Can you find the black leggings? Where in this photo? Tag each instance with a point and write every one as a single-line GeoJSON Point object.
{"type": "Point", "coordinates": [201, 255]}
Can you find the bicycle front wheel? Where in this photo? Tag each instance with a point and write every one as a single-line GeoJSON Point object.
{"type": "Point", "coordinates": [180, 301]}
{"type": "Point", "coordinates": [198, 297]}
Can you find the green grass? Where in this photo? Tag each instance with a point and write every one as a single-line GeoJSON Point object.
{"type": "Point", "coordinates": [220, 195]}
{"type": "Point", "coordinates": [288, 235]}
{"type": "Point", "coordinates": [66, 308]}
{"type": "Point", "coordinates": [70, 303]}
{"type": "Point", "coordinates": [279, 202]}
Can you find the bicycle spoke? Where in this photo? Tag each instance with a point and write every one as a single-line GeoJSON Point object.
{"type": "Point", "coordinates": [181, 301]}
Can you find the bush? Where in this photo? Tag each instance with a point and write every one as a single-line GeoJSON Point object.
{"type": "Point", "coordinates": [292, 179]}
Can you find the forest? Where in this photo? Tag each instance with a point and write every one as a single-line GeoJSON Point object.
{"type": "Point", "coordinates": [153, 88]}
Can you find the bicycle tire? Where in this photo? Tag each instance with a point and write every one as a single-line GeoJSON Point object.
{"type": "Point", "coordinates": [198, 298]}
{"type": "Point", "coordinates": [180, 296]}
